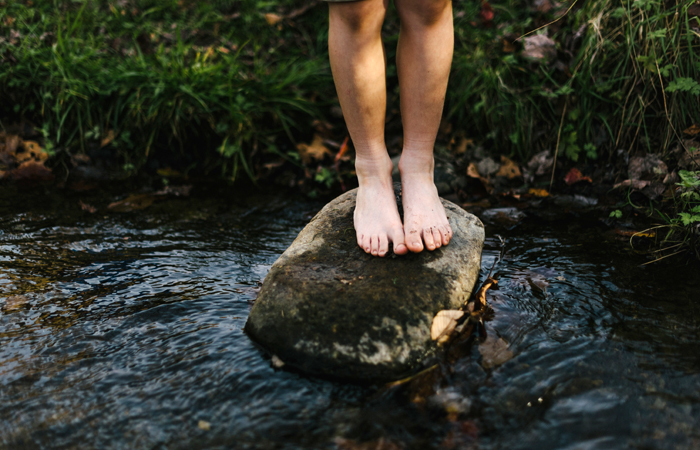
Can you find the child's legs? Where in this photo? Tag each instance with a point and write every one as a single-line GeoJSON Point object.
{"type": "Point", "coordinates": [424, 58]}
{"type": "Point", "coordinates": [359, 71]}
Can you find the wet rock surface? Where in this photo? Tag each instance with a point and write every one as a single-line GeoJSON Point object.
{"type": "Point", "coordinates": [328, 308]}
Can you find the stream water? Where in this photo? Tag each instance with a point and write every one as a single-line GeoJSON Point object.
{"type": "Point", "coordinates": [124, 331]}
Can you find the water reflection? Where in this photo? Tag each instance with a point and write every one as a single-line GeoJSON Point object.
{"type": "Point", "coordinates": [125, 331]}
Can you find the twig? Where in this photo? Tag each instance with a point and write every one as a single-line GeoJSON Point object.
{"type": "Point", "coordinates": [556, 150]}
{"type": "Point", "coordinates": [659, 259]}
{"type": "Point", "coordinates": [548, 24]}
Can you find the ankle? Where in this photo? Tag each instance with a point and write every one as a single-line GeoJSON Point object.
{"type": "Point", "coordinates": [373, 168]}
{"type": "Point", "coordinates": [417, 164]}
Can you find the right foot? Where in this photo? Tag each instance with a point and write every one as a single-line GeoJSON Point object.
{"type": "Point", "coordinates": [376, 217]}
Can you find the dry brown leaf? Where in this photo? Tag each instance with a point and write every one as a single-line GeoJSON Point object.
{"type": "Point", "coordinates": [132, 203]}
{"type": "Point", "coordinates": [574, 176]}
{"type": "Point", "coordinates": [314, 151]}
{"type": "Point", "coordinates": [472, 171]}
{"type": "Point", "coordinates": [85, 207]}
{"type": "Point", "coordinates": [508, 46]}
{"type": "Point", "coordinates": [35, 151]}
{"type": "Point", "coordinates": [628, 233]}
{"type": "Point", "coordinates": [461, 147]}
{"type": "Point", "coordinates": [273, 19]}
{"type": "Point", "coordinates": [32, 170]}
{"type": "Point", "coordinates": [480, 298]}
{"type": "Point", "coordinates": [635, 184]}
{"type": "Point", "coordinates": [537, 192]}
{"type": "Point", "coordinates": [444, 324]}
{"type": "Point", "coordinates": [12, 141]}
{"type": "Point", "coordinates": [494, 352]}
{"type": "Point", "coordinates": [107, 139]}
{"type": "Point", "coordinates": [692, 130]}
{"type": "Point", "coordinates": [508, 169]}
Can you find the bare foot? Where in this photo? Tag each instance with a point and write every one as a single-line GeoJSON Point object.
{"type": "Point", "coordinates": [377, 220]}
{"type": "Point", "coordinates": [425, 221]}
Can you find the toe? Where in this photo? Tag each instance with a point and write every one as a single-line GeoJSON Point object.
{"type": "Point", "coordinates": [443, 235]}
{"type": "Point", "coordinates": [399, 241]}
{"type": "Point", "coordinates": [449, 232]}
{"type": "Point", "coordinates": [359, 239]}
{"type": "Point", "coordinates": [374, 245]}
{"type": "Point", "coordinates": [383, 245]}
{"type": "Point", "coordinates": [413, 241]}
{"type": "Point", "coordinates": [428, 239]}
{"type": "Point", "coordinates": [437, 237]}
{"type": "Point", "coordinates": [366, 244]}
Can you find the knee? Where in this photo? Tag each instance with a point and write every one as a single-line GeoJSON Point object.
{"type": "Point", "coordinates": [358, 16]}
{"type": "Point", "coordinates": [424, 13]}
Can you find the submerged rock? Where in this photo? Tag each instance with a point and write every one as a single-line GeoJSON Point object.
{"type": "Point", "coordinates": [328, 308]}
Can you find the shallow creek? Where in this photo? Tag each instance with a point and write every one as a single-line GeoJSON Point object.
{"type": "Point", "coordinates": [124, 331]}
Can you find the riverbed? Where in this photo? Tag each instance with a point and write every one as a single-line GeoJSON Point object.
{"type": "Point", "coordinates": [125, 331]}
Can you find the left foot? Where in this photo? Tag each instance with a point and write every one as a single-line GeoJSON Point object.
{"type": "Point", "coordinates": [424, 218]}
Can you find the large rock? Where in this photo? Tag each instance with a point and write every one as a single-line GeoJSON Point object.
{"type": "Point", "coordinates": [328, 308]}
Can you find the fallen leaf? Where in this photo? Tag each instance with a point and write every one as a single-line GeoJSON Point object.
{"type": "Point", "coordinates": [646, 167]}
{"type": "Point", "coordinates": [32, 170]}
{"type": "Point", "coordinates": [692, 130]}
{"type": "Point", "coordinates": [132, 203]}
{"type": "Point", "coordinates": [461, 147]}
{"type": "Point", "coordinates": [488, 167]}
{"type": "Point", "coordinates": [85, 207]}
{"type": "Point", "coordinates": [574, 176]}
{"type": "Point", "coordinates": [204, 425]}
{"type": "Point", "coordinates": [540, 163]}
{"type": "Point", "coordinates": [11, 143]}
{"type": "Point", "coordinates": [539, 47]}
{"type": "Point", "coordinates": [444, 323]}
{"type": "Point", "coordinates": [273, 19]}
{"type": "Point", "coordinates": [630, 233]}
{"type": "Point", "coordinates": [494, 352]}
{"type": "Point", "coordinates": [472, 171]}
{"type": "Point", "coordinates": [314, 151]}
{"type": "Point", "coordinates": [508, 46]}
{"type": "Point", "coordinates": [538, 192]}
{"type": "Point", "coordinates": [690, 160]}
{"type": "Point", "coordinates": [508, 169]}
{"type": "Point", "coordinates": [635, 184]}
{"type": "Point", "coordinates": [107, 139]}
{"type": "Point", "coordinates": [480, 297]}
{"type": "Point", "coordinates": [277, 363]}
{"type": "Point", "coordinates": [34, 150]}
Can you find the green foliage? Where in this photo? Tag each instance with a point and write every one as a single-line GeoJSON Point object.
{"type": "Point", "coordinates": [177, 76]}
{"type": "Point", "coordinates": [684, 85]}
{"type": "Point", "coordinates": [612, 62]}
{"type": "Point", "coordinates": [617, 214]}
{"type": "Point", "coordinates": [214, 78]}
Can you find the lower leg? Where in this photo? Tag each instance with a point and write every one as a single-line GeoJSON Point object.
{"type": "Point", "coordinates": [358, 65]}
{"type": "Point", "coordinates": [424, 58]}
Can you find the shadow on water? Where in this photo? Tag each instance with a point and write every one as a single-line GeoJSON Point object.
{"type": "Point", "coordinates": [125, 331]}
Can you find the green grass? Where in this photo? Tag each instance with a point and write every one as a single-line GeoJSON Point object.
{"type": "Point", "coordinates": [195, 78]}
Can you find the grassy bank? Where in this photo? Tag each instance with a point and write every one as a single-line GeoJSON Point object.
{"type": "Point", "coordinates": [230, 87]}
